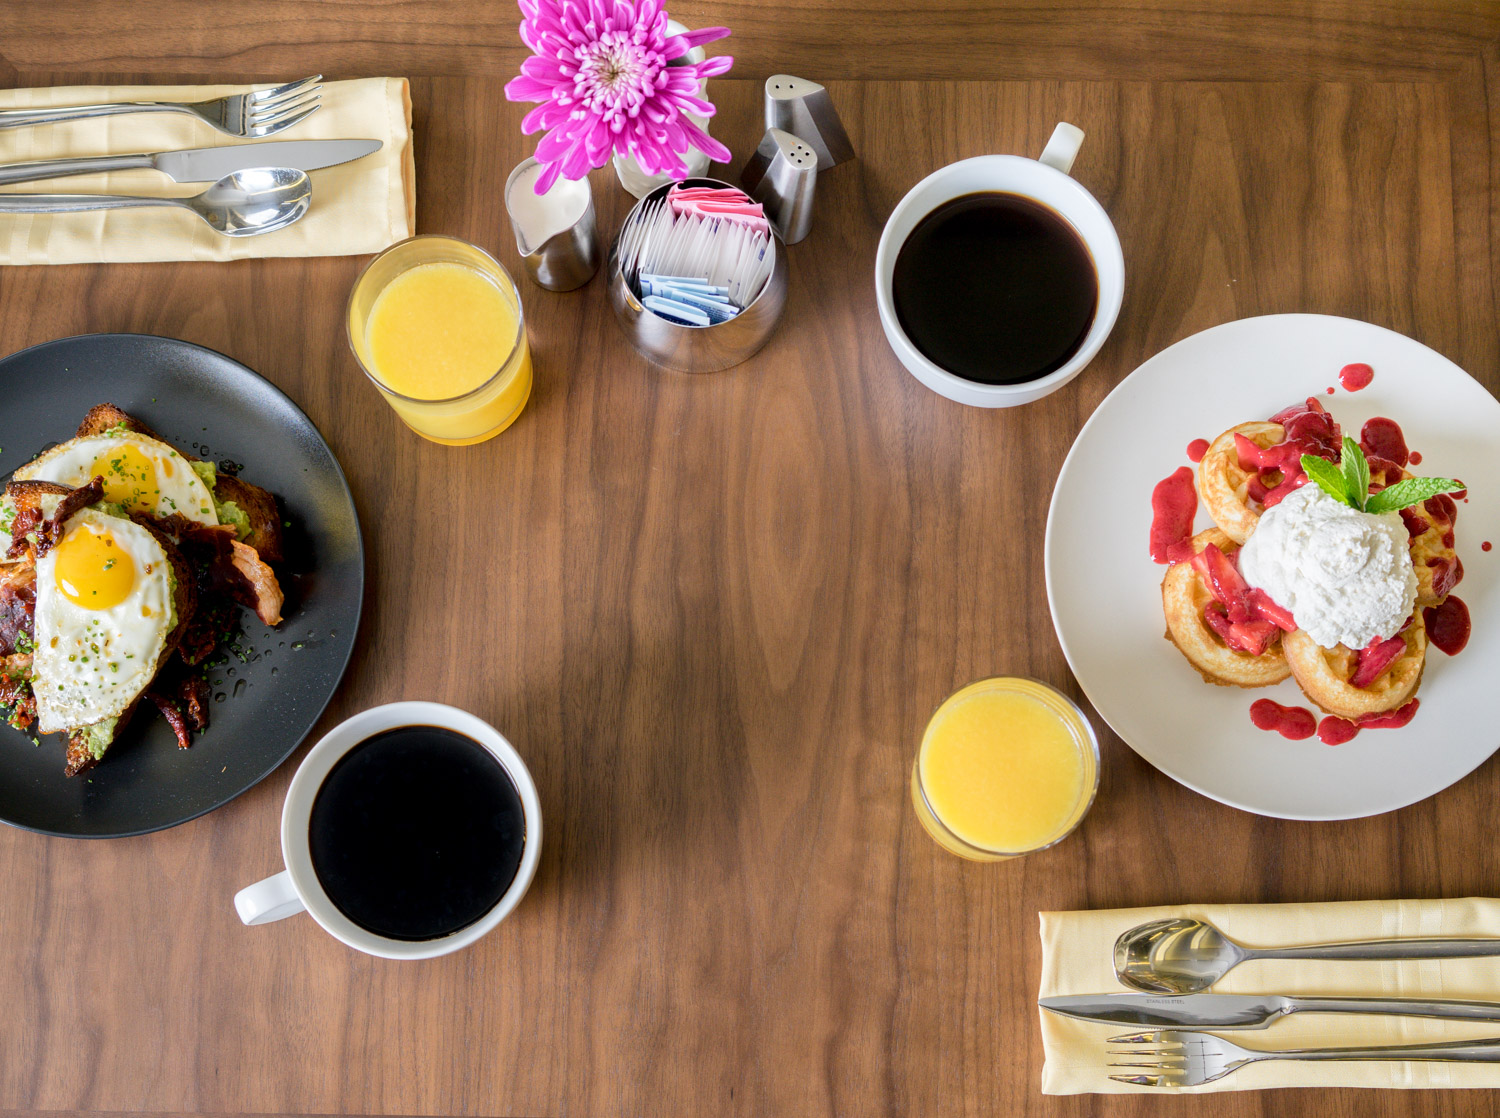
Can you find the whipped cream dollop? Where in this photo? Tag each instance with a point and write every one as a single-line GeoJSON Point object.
{"type": "Point", "coordinates": [1346, 575]}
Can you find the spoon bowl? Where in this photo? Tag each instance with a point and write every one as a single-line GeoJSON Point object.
{"type": "Point", "coordinates": [1175, 956]}
{"type": "Point", "coordinates": [258, 200]}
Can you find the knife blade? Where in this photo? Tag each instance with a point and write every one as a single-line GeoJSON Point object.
{"type": "Point", "coordinates": [1248, 1011]}
{"type": "Point", "coordinates": [201, 164]}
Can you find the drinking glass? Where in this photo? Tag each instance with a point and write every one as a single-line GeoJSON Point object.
{"type": "Point", "coordinates": [1075, 726]}
{"type": "Point", "coordinates": [469, 417]}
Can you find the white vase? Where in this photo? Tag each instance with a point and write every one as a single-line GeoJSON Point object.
{"type": "Point", "coordinates": [628, 169]}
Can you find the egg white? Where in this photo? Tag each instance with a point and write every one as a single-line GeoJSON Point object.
{"type": "Point", "coordinates": [176, 487]}
{"type": "Point", "coordinates": [90, 665]}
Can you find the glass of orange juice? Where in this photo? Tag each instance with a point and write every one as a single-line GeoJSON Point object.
{"type": "Point", "coordinates": [436, 324]}
{"type": "Point", "coordinates": [1007, 766]}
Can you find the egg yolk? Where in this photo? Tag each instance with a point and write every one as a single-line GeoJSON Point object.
{"type": "Point", "coordinates": [129, 477]}
{"type": "Point", "coordinates": [92, 569]}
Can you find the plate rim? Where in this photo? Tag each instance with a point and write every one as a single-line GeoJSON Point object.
{"type": "Point", "coordinates": [1052, 608]}
{"type": "Point", "coordinates": [359, 609]}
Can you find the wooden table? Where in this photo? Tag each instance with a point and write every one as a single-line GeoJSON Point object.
{"type": "Point", "coordinates": [714, 612]}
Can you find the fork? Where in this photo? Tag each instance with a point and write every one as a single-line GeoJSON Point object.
{"type": "Point", "coordinates": [1187, 1059]}
{"type": "Point", "coordinates": [260, 113]}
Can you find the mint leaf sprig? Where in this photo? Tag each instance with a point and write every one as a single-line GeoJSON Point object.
{"type": "Point", "coordinates": [1350, 484]}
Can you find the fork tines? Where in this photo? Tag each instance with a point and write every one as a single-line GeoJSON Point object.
{"type": "Point", "coordinates": [272, 110]}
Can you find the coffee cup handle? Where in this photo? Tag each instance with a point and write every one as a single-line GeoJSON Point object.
{"type": "Point", "coordinates": [275, 898]}
{"type": "Point", "coordinates": [1063, 147]}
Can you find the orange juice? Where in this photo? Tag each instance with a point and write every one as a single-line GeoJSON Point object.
{"type": "Point", "coordinates": [437, 325]}
{"type": "Point", "coordinates": [1006, 766]}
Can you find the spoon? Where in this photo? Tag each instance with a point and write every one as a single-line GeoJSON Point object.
{"type": "Point", "coordinates": [1189, 956]}
{"type": "Point", "coordinates": [241, 204]}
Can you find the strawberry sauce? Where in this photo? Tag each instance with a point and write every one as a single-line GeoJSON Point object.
{"type": "Point", "coordinates": [1336, 731]}
{"type": "Point", "coordinates": [1486, 546]}
{"type": "Point", "coordinates": [1296, 723]}
{"type": "Point", "coordinates": [1415, 458]}
{"type": "Point", "coordinates": [1356, 376]}
{"type": "Point", "coordinates": [1174, 505]}
{"type": "Point", "coordinates": [1382, 438]}
{"type": "Point", "coordinates": [1448, 625]}
{"type": "Point", "coordinates": [1197, 449]}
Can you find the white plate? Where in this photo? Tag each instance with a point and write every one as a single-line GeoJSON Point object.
{"type": "Point", "coordinates": [1105, 592]}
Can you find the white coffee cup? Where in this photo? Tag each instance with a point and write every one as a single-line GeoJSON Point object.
{"type": "Point", "coordinates": [1046, 181]}
{"type": "Point", "coordinates": [297, 889]}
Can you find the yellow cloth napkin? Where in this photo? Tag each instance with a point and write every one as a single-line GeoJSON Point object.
{"type": "Point", "coordinates": [1077, 958]}
{"type": "Point", "coordinates": [359, 207]}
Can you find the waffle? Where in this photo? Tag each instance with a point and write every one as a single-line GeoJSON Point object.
{"type": "Point", "coordinates": [1323, 674]}
{"type": "Point", "coordinates": [1223, 486]}
{"type": "Point", "coordinates": [1184, 597]}
{"type": "Point", "coordinates": [1433, 556]}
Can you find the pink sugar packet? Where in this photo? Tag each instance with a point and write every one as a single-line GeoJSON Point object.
{"type": "Point", "coordinates": [724, 203]}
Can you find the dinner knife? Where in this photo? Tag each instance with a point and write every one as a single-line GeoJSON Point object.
{"type": "Point", "coordinates": [201, 164]}
{"type": "Point", "coordinates": [1248, 1011]}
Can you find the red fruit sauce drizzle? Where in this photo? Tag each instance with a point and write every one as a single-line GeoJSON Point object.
{"type": "Point", "coordinates": [1197, 449]}
{"type": "Point", "coordinates": [1330, 390]}
{"type": "Point", "coordinates": [1485, 546]}
{"type": "Point", "coordinates": [1334, 730]}
{"type": "Point", "coordinates": [1382, 438]}
{"type": "Point", "coordinates": [1415, 458]}
{"type": "Point", "coordinates": [1296, 723]}
{"type": "Point", "coordinates": [1448, 625]}
{"type": "Point", "coordinates": [1356, 376]}
{"type": "Point", "coordinates": [1174, 505]}
{"type": "Point", "coordinates": [1275, 471]}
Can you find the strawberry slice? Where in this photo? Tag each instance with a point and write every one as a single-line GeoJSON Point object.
{"type": "Point", "coordinates": [1267, 610]}
{"type": "Point", "coordinates": [1253, 637]}
{"type": "Point", "coordinates": [1375, 660]}
{"type": "Point", "coordinates": [1224, 581]}
{"type": "Point", "coordinates": [1253, 457]}
{"type": "Point", "coordinates": [1213, 613]}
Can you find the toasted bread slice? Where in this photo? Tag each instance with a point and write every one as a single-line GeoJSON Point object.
{"type": "Point", "coordinates": [258, 504]}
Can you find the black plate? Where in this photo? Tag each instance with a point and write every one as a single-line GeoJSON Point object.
{"type": "Point", "coordinates": [264, 705]}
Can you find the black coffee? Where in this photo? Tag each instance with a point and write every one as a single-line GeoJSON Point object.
{"type": "Point", "coordinates": [417, 832]}
{"type": "Point", "coordinates": [996, 288]}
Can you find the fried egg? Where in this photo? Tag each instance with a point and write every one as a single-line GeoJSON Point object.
{"type": "Point", "coordinates": [104, 609]}
{"type": "Point", "coordinates": [139, 472]}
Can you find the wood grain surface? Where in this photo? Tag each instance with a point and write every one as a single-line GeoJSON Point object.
{"type": "Point", "coordinates": [714, 612]}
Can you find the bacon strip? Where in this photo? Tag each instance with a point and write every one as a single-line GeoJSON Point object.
{"type": "Point", "coordinates": [17, 604]}
{"type": "Point", "coordinates": [265, 592]}
{"type": "Point", "coordinates": [174, 718]}
{"type": "Point", "coordinates": [235, 569]}
{"type": "Point", "coordinates": [50, 532]}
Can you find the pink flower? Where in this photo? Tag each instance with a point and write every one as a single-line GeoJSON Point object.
{"type": "Point", "coordinates": [599, 69]}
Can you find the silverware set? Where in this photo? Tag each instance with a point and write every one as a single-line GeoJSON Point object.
{"type": "Point", "coordinates": [257, 188]}
{"type": "Point", "coordinates": [1170, 964]}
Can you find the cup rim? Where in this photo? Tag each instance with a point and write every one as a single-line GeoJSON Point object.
{"type": "Point", "coordinates": [886, 250]}
{"type": "Point", "coordinates": [330, 749]}
{"type": "Point", "coordinates": [515, 343]}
